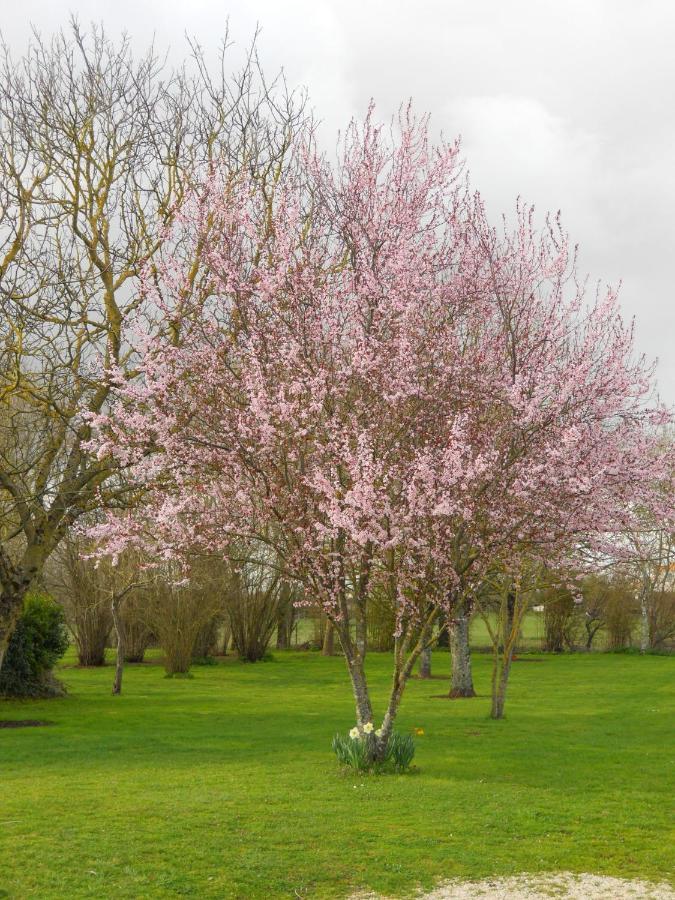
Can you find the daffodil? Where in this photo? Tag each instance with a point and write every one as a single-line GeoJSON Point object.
{"type": "Point", "coordinates": [368, 728]}
{"type": "Point", "coordinates": [354, 733]}
{"type": "Point", "coordinates": [378, 733]}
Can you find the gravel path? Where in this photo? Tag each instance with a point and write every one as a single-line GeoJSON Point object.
{"type": "Point", "coordinates": [562, 885]}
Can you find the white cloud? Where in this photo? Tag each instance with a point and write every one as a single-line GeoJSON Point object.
{"type": "Point", "coordinates": [569, 104]}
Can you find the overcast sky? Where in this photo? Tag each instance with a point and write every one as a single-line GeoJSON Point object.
{"type": "Point", "coordinates": [569, 104]}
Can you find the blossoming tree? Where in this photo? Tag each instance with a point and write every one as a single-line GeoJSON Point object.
{"type": "Point", "coordinates": [369, 379]}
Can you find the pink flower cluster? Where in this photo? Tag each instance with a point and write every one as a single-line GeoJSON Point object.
{"type": "Point", "coordinates": [350, 363]}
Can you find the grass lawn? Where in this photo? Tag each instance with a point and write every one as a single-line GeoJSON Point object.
{"type": "Point", "coordinates": [531, 632]}
{"type": "Point", "coordinates": [225, 786]}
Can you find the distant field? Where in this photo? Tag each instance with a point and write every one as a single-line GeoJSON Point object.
{"type": "Point", "coordinates": [532, 633]}
{"type": "Point", "coordinates": [224, 785]}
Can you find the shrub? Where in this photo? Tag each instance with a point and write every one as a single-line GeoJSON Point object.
{"type": "Point", "coordinates": [83, 589]}
{"type": "Point", "coordinates": [206, 642]}
{"type": "Point", "coordinates": [176, 613]}
{"type": "Point", "coordinates": [39, 640]}
{"type": "Point", "coordinates": [561, 620]}
{"type": "Point", "coordinates": [620, 616]}
{"type": "Point", "coordinates": [138, 635]}
{"type": "Point", "coordinates": [661, 616]}
{"type": "Point", "coordinates": [254, 599]}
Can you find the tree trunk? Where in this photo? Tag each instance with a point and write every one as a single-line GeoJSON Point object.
{"type": "Point", "coordinates": [499, 688]}
{"type": "Point", "coordinates": [510, 611]}
{"type": "Point", "coordinates": [226, 640]}
{"type": "Point", "coordinates": [644, 622]}
{"type": "Point", "coordinates": [11, 604]}
{"type": "Point", "coordinates": [402, 672]}
{"type": "Point", "coordinates": [462, 677]}
{"type": "Point", "coordinates": [364, 709]}
{"type": "Point", "coordinates": [16, 580]}
{"type": "Point", "coordinates": [425, 663]}
{"type": "Point", "coordinates": [398, 687]}
{"type": "Point", "coordinates": [282, 632]}
{"type": "Point", "coordinates": [119, 661]}
{"type": "Point", "coordinates": [361, 633]}
{"type": "Point", "coordinates": [328, 648]}
{"type": "Point", "coordinates": [511, 619]}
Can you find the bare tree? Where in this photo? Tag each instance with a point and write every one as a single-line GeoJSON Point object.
{"type": "Point", "coordinates": [254, 597]}
{"type": "Point", "coordinates": [621, 612]}
{"type": "Point", "coordinates": [82, 589]}
{"type": "Point", "coordinates": [97, 150]}
{"type": "Point", "coordinates": [653, 570]}
{"type": "Point", "coordinates": [595, 592]}
{"type": "Point", "coordinates": [138, 634]}
{"type": "Point", "coordinates": [116, 599]}
{"type": "Point", "coordinates": [177, 611]}
{"type": "Point", "coordinates": [561, 618]}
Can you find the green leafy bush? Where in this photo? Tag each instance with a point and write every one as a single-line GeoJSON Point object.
{"type": "Point", "coordinates": [39, 640]}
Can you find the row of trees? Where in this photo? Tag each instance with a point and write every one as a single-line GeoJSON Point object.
{"type": "Point", "coordinates": [214, 613]}
{"type": "Point", "coordinates": [250, 613]}
{"type": "Point", "coordinates": [221, 606]}
{"type": "Point", "coordinates": [614, 608]}
{"type": "Point", "coordinates": [247, 610]}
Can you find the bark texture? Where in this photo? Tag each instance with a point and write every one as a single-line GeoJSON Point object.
{"type": "Point", "coordinates": [425, 663]}
{"type": "Point", "coordinates": [10, 610]}
{"type": "Point", "coordinates": [328, 648]}
{"type": "Point", "coordinates": [15, 580]}
{"type": "Point", "coordinates": [499, 685]}
{"type": "Point", "coordinates": [462, 676]}
{"type": "Point", "coordinates": [119, 662]}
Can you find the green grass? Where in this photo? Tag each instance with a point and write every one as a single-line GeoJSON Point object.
{"type": "Point", "coordinates": [531, 632]}
{"type": "Point", "coordinates": [225, 786]}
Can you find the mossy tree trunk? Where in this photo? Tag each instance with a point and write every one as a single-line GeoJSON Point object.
{"type": "Point", "coordinates": [15, 580]}
{"type": "Point", "coordinates": [10, 610]}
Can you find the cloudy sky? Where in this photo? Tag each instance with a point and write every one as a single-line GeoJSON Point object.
{"type": "Point", "coordinates": [569, 104]}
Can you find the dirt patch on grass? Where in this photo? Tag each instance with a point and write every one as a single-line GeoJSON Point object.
{"type": "Point", "coordinates": [23, 723]}
{"type": "Point", "coordinates": [561, 885]}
